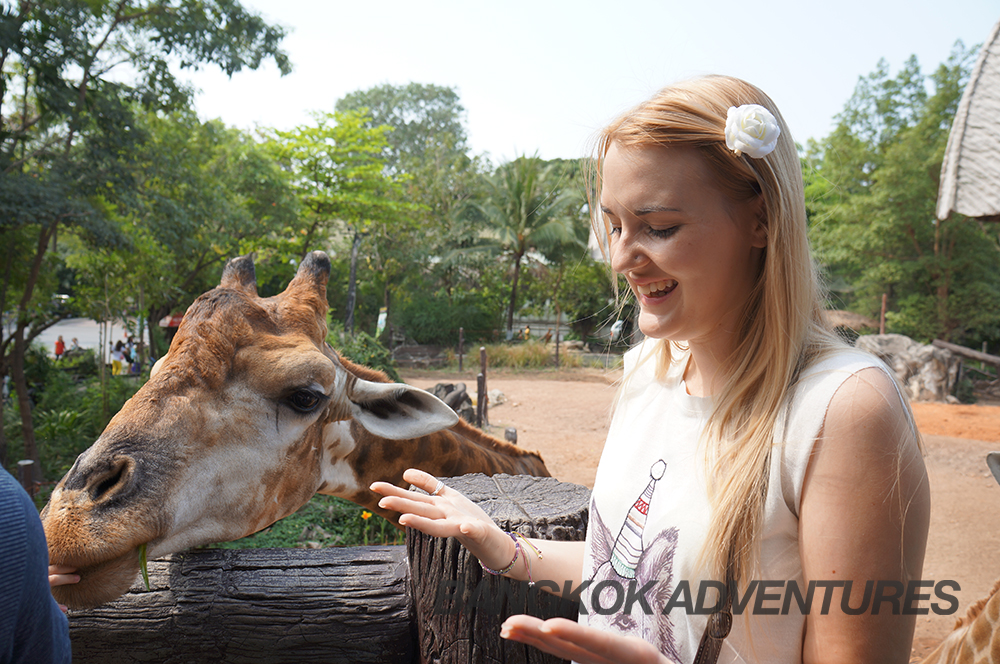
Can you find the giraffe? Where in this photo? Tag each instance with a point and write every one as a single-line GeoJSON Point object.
{"type": "Point", "coordinates": [246, 417]}
{"type": "Point", "coordinates": [975, 638]}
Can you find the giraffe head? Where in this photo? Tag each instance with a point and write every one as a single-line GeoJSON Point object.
{"type": "Point", "coordinates": [226, 437]}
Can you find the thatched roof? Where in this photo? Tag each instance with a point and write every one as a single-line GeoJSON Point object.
{"type": "Point", "coordinates": [838, 318]}
{"type": "Point", "coordinates": [970, 175]}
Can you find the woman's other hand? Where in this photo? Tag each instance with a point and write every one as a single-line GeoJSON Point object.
{"type": "Point", "coordinates": [586, 645]}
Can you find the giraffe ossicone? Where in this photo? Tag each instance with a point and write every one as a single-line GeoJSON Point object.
{"type": "Point", "coordinates": [246, 417]}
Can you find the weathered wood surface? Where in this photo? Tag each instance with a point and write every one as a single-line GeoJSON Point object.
{"type": "Point", "coordinates": [261, 606]}
{"type": "Point", "coordinates": [968, 353]}
{"type": "Point", "coordinates": [458, 611]}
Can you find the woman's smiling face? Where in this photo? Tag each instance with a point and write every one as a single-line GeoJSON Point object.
{"type": "Point", "coordinates": [690, 255]}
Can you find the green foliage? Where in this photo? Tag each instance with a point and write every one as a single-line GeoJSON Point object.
{"type": "Point", "coordinates": [871, 188]}
{"type": "Point", "coordinates": [965, 391]}
{"type": "Point", "coordinates": [77, 78]}
{"type": "Point", "coordinates": [528, 355]}
{"type": "Point", "coordinates": [362, 348]}
{"type": "Point", "coordinates": [426, 123]}
{"type": "Point", "coordinates": [323, 521]}
{"type": "Point", "coordinates": [530, 206]}
{"type": "Point", "coordinates": [68, 410]}
{"type": "Point", "coordinates": [434, 318]}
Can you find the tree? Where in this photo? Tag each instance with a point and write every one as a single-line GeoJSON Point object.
{"type": "Point", "coordinates": [68, 131]}
{"type": "Point", "coordinates": [203, 193]}
{"type": "Point", "coordinates": [426, 121]}
{"type": "Point", "coordinates": [528, 208]}
{"type": "Point", "coordinates": [340, 177]}
{"type": "Point", "coordinates": [871, 192]}
{"type": "Point", "coordinates": [427, 145]}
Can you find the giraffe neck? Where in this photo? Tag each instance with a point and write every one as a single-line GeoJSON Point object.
{"type": "Point", "coordinates": [365, 458]}
{"type": "Point", "coordinates": [975, 639]}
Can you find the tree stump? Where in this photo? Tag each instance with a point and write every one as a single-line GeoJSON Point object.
{"type": "Point", "coordinates": [458, 607]}
{"type": "Point", "coordinates": [271, 606]}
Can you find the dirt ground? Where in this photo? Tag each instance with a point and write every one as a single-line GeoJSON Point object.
{"type": "Point", "coordinates": [565, 416]}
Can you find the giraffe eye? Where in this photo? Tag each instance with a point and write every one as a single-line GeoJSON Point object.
{"type": "Point", "coordinates": [305, 401]}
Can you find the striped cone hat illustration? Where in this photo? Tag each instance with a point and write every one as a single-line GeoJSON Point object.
{"type": "Point", "coordinates": [628, 544]}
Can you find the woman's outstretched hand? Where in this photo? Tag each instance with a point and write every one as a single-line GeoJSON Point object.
{"type": "Point", "coordinates": [586, 645]}
{"type": "Point", "coordinates": [447, 514]}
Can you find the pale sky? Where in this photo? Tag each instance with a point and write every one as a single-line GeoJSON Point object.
{"type": "Point", "coordinates": [544, 76]}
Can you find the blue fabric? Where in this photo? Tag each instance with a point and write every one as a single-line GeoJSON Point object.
{"type": "Point", "coordinates": [32, 628]}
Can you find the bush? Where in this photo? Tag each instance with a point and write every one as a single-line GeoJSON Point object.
{"type": "Point", "coordinates": [323, 521]}
{"type": "Point", "coordinates": [69, 411]}
{"type": "Point", "coordinates": [964, 391]}
{"type": "Point", "coordinates": [528, 355]}
{"type": "Point", "coordinates": [364, 349]}
{"type": "Point", "coordinates": [434, 318]}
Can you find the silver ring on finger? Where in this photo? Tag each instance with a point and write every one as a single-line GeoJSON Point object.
{"type": "Point", "coordinates": [437, 489]}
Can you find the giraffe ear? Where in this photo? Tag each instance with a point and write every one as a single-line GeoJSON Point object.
{"type": "Point", "coordinates": [239, 274]}
{"type": "Point", "coordinates": [397, 411]}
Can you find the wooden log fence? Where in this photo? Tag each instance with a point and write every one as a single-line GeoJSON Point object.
{"type": "Point", "coordinates": [426, 601]}
{"type": "Point", "coordinates": [257, 605]}
{"type": "Point", "coordinates": [968, 353]}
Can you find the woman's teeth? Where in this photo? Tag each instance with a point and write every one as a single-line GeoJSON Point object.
{"type": "Point", "coordinates": [657, 288]}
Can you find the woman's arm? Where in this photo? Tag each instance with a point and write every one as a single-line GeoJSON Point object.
{"type": "Point", "coordinates": [450, 514]}
{"type": "Point", "coordinates": [864, 512]}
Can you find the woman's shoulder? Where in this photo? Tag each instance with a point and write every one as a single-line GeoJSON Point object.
{"type": "Point", "coordinates": [844, 380]}
{"type": "Point", "coordinates": [834, 366]}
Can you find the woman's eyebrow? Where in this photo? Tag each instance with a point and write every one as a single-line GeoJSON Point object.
{"type": "Point", "coordinates": [651, 209]}
{"type": "Point", "coordinates": [644, 210]}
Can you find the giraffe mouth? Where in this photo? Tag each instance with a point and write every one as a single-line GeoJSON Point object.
{"type": "Point", "coordinates": [100, 582]}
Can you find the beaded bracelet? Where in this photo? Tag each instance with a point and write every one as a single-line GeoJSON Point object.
{"type": "Point", "coordinates": [517, 551]}
{"type": "Point", "coordinates": [527, 559]}
{"type": "Point", "coordinates": [501, 572]}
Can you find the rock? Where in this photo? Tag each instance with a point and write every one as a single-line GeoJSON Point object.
{"type": "Point", "coordinates": [926, 372]}
{"type": "Point", "coordinates": [457, 397]}
{"type": "Point", "coordinates": [496, 397]}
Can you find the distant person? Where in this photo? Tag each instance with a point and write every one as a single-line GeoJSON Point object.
{"type": "Point", "coordinates": [117, 359]}
{"type": "Point", "coordinates": [60, 347]}
{"type": "Point", "coordinates": [33, 629]}
{"type": "Point", "coordinates": [74, 345]}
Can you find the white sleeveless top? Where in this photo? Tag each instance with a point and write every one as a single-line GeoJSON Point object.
{"type": "Point", "coordinates": [650, 513]}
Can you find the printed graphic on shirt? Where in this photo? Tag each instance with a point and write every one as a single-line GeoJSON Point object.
{"type": "Point", "coordinates": [626, 560]}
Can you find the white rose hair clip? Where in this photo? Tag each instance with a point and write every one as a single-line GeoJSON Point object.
{"type": "Point", "coordinates": [751, 129]}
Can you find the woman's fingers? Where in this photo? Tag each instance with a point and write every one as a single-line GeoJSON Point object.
{"type": "Point", "coordinates": [420, 479]}
{"type": "Point", "coordinates": [61, 575]}
{"type": "Point", "coordinates": [587, 645]}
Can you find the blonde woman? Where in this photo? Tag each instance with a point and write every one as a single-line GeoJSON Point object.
{"type": "Point", "coordinates": [749, 448]}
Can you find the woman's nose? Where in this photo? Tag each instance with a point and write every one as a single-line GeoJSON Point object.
{"type": "Point", "coordinates": [626, 252]}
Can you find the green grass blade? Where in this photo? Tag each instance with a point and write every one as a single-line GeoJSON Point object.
{"type": "Point", "coordinates": [142, 564]}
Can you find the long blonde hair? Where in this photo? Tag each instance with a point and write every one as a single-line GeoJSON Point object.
{"type": "Point", "coordinates": [781, 329]}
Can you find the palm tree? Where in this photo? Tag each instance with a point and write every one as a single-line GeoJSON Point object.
{"type": "Point", "coordinates": [528, 208]}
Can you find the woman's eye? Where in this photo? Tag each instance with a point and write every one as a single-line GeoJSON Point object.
{"type": "Point", "coordinates": [305, 401]}
{"type": "Point", "coordinates": [615, 230]}
{"type": "Point", "coordinates": [662, 233]}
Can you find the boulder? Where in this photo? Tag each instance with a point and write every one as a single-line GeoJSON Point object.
{"type": "Point", "coordinates": [926, 372]}
{"type": "Point", "coordinates": [456, 396]}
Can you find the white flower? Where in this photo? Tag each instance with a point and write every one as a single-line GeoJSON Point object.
{"type": "Point", "coordinates": [752, 129]}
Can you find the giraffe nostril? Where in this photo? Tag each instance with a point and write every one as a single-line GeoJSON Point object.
{"type": "Point", "coordinates": [105, 484]}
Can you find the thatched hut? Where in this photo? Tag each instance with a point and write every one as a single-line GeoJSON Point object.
{"type": "Point", "coordinates": [970, 175]}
